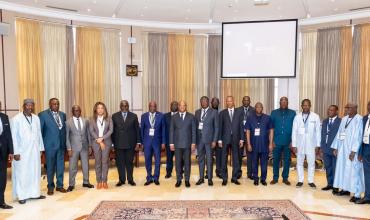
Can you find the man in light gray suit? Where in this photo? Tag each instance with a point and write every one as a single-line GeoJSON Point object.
{"type": "Point", "coordinates": [182, 141]}
{"type": "Point", "coordinates": [78, 142]}
{"type": "Point", "coordinates": [207, 134]}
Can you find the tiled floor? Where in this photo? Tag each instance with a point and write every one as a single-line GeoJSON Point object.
{"type": "Point", "coordinates": [82, 201]}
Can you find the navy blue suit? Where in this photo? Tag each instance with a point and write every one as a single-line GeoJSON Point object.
{"type": "Point", "coordinates": [152, 144]}
{"type": "Point", "coordinates": [169, 154]}
{"type": "Point", "coordinates": [365, 153]}
{"type": "Point", "coordinates": [55, 146]}
{"type": "Point", "coordinates": [328, 133]}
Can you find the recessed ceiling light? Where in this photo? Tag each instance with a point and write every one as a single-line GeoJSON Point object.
{"type": "Point", "coordinates": [335, 9]}
{"type": "Point", "coordinates": [145, 7]}
{"type": "Point", "coordinates": [94, 2]}
{"type": "Point", "coordinates": [308, 15]}
{"type": "Point", "coordinates": [332, 0]}
{"type": "Point", "coordinates": [36, 1]}
{"type": "Point", "coordinates": [114, 15]}
{"type": "Point", "coordinates": [88, 9]}
{"type": "Point", "coordinates": [210, 21]}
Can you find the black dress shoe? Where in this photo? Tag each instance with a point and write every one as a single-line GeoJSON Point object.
{"type": "Point", "coordinates": [343, 193]}
{"type": "Point", "coordinates": [156, 182]}
{"type": "Point", "coordinates": [22, 201]}
{"type": "Point", "coordinates": [148, 182]}
{"type": "Point", "coordinates": [219, 175]}
{"type": "Point", "coordinates": [335, 191]}
{"type": "Point", "coordinates": [187, 184]}
{"type": "Point", "coordinates": [299, 184]}
{"type": "Point", "coordinates": [87, 185]}
{"type": "Point", "coordinates": [168, 175]}
{"type": "Point", "coordinates": [41, 197]}
{"type": "Point", "coordinates": [263, 182]}
{"type": "Point", "coordinates": [327, 188]}
{"type": "Point", "coordinates": [224, 182]}
{"type": "Point", "coordinates": [354, 199]}
{"type": "Point", "coordinates": [236, 182]}
{"type": "Point", "coordinates": [362, 201]}
{"type": "Point", "coordinates": [70, 188]}
{"type": "Point", "coordinates": [250, 177]}
{"type": "Point", "coordinates": [200, 181]}
{"type": "Point", "coordinates": [132, 183]}
{"type": "Point", "coordinates": [206, 176]}
{"type": "Point", "coordinates": [287, 182]}
{"type": "Point", "coordinates": [239, 176]}
{"type": "Point", "coordinates": [5, 206]}
{"type": "Point", "coordinates": [120, 183]}
{"type": "Point", "coordinates": [312, 185]}
{"type": "Point", "coordinates": [178, 184]}
{"type": "Point", "coordinates": [256, 183]}
{"type": "Point", "coordinates": [210, 183]}
{"type": "Point", "coordinates": [273, 182]}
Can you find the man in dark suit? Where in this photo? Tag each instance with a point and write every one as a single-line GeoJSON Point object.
{"type": "Point", "coordinates": [207, 135]}
{"type": "Point", "coordinates": [182, 141]}
{"type": "Point", "coordinates": [126, 139]}
{"type": "Point", "coordinates": [329, 130]}
{"type": "Point", "coordinates": [364, 156]}
{"type": "Point", "coordinates": [169, 153]}
{"type": "Point", "coordinates": [231, 135]}
{"type": "Point", "coordinates": [215, 102]}
{"type": "Point", "coordinates": [153, 133]}
{"type": "Point", "coordinates": [6, 154]}
{"type": "Point", "coordinates": [53, 129]}
{"type": "Point", "coordinates": [247, 110]}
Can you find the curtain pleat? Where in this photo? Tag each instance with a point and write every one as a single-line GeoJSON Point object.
{"type": "Point", "coordinates": [354, 91]}
{"type": "Point", "coordinates": [364, 67]}
{"type": "Point", "coordinates": [145, 70]}
{"type": "Point", "coordinates": [30, 67]}
{"type": "Point", "coordinates": [55, 63]}
{"type": "Point", "coordinates": [89, 75]}
{"type": "Point", "coordinates": [214, 65]}
{"type": "Point", "coordinates": [234, 87]}
{"type": "Point", "coordinates": [70, 74]}
{"type": "Point", "coordinates": [200, 69]}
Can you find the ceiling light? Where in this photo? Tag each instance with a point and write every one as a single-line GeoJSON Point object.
{"type": "Point", "coordinates": [335, 9]}
{"type": "Point", "coordinates": [114, 15]}
{"type": "Point", "coordinates": [145, 7]}
{"type": "Point", "coordinates": [88, 9]}
{"type": "Point", "coordinates": [94, 2]}
{"type": "Point", "coordinates": [261, 2]}
{"type": "Point", "coordinates": [210, 21]}
{"type": "Point", "coordinates": [308, 15]}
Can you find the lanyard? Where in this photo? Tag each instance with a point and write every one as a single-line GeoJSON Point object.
{"type": "Point", "coordinates": [348, 122]}
{"type": "Point", "coordinates": [305, 120]}
{"type": "Point", "coordinates": [101, 122]}
{"type": "Point", "coordinates": [29, 122]}
{"type": "Point", "coordinates": [152, 120]}
{"type": "Point", "coordinates": [204, 114]}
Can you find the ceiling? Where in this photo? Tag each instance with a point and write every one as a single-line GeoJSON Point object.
{"type": "Point", "coordinates": [201, 11]}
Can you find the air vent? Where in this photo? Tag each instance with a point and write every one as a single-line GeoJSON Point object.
{"type": "Point", "coordinates": [62, 9]}
{"type": "Point", "coordinates": [360, 9]}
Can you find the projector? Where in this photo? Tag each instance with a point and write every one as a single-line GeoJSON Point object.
{"type": "Point", "coordinates": [261, 2]}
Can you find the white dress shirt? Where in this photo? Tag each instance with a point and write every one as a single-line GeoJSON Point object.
{"type": "Point", "coordinates": [101, 124]}
{"type": "Point", "coordinates": [78, 121]}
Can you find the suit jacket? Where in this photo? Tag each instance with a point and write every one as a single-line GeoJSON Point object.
{"type": "Point", "coordinates": [231, 132]}
{"type": "Point", "coordinates": [6, 141]}
{"type": "Point", "coordinates": [126, 134]}
{"type": "Point", "coordinates": [333, 130]}
{"type": "Point", "coordinates": [167, 119]}
{"type": "Point", "coordinates": [209, 133]}
{"type": "Point", "coordinates": [250, 112]}
{"type": "Point", "coordinates": [77, 140]}
{"type": "Point", "coordinates": [107, 133]}
{"type": "Point", "coordinates": [53, 137]}
{"type": "Point", "coordinates": [183, 132]}
{"type": "Point", "coordinates": [159, 130]}
{"type": "Point", "coordinates": [364, 120]}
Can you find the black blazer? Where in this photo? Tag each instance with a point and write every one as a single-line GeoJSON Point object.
{"type": "Point", "coordinates": [183, 132]}
{"type": "Point", "coordinates": [326, 147]}
{"type": "Point", "coordinates": [126, 134]}
{"type": "Point", "coordinates": [167, 119]}
{"type": "Point", "coordinates": [227, 127]}
{"type": "Point", "coordinates": [6, 141]}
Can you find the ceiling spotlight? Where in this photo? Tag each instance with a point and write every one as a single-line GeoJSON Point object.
{"type": "Point", "coordinates": [261, 2]}
{"type": "Point", "coordinates": [88, 9]}
{"type": "Point", "coordinates": [94, 2]}
{"type": "Point", "coordinates": [308, 15]}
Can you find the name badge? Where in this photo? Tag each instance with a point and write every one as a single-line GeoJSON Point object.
{"type": "Point", "coordinates": [151, 132]}
{"type": "Point", "coordinates": [342, 136]}
{"type": "Point", "coordinates": [200, 126]}
{"type": "Point", "coordinates": [302, 130]}
{"type": "Point", "coordinates": [257, 132]}
{"type": "Point", "coordinates": [366, 139]}
{"type": "Point", "coordinates": [244, 121]}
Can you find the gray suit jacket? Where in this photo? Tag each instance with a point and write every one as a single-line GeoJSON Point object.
{"type": "Point", "coordinates": [209, 133]}
{"type": "Point", "coordinates": [94, 132]}
{"type": "Point", "coordinates": [183, 132]}
{"type": "Point", "coordinates": [76, 140]}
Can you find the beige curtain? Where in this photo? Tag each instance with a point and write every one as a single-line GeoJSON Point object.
{"type": "Point", "coordinates": [262, 90]}
{"type": "Point", "coordinates": [181, 69]}
{"type": "Point", "coordinates": [200, 69]}
{"type": "Point", "coordinates": [354, 91]}
{"type": "Point", "coordinates": [238, 88]}
{"type": "Point", "coordinates": [214, 65]}
{"type": "Point", "coordinates": [30, 69]}
{"type": "Point", "coordinates": [70, 76]}
{"type": "Point", "coordinates": [307, 69]}
{"type": "Point", "coordinates": [89, 75]}
{"type": "Point", "coordinates": [364, 67]}
{"type": "Point", "coordinates": [112, 79]}
{"type": "Point", "coordinates": [145, 69]}
{"type": "Point", "coordinates": [55, 63]}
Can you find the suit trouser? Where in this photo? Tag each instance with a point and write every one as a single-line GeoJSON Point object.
{"type": "Point", "coordinates": [235, 161]}
{"type": "Point", "coordinates": [205, 156]}
{"type": "Point", "coordinates": [169, 159]}
{"type": "Point", "coordinates": [311, 166]}
{"type": "Point", "coordinates": [55, 166]}
{"type": "Point", "coordinates": [125, 164]}
{"type": "Point", "coordinates": [182, 156]}
{"type": "Point", "coordinates": [218, 152]}
{"type": "Point", "coordinates": [3, 173]}
{"type": "Point", "coordinates": [83, 154]}
{"type": "Point", "coordinates": [101, 163]}
{"type": "Point", "coordinates": [276, 154]}
{"type": "Point", "coordinates": [241, 152]}
{"type": "Point", "coordinates": [260, 159]}
{"type": "Point", "coordinates": [366, 164]}
{"type": "Point", "coordinates": [249, 164]}
{"type": "Point", "coordinates": [149, 151]}
{"type": "Point", "coordinates": [329, 163]}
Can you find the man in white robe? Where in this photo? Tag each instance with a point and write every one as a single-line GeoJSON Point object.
{"type": "Point", "coordinates": [349, 176]}
{"type": "Point", "coordinates": [26, 166]}
{"type": "Point", "coordinates": [306, 138]}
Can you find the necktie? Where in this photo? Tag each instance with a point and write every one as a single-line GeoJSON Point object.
{"type": "Point", "coordinates": [124, 116]}
{"type": "Point", "coordinates": [231, 115]}
{"type": "Point", "coordinates": [203, 114]}
{"type": "Point", "coordinates": [330, 121]}
{"type": "Point", "coordinates": [78, 124]}
{"type": "Point", "coordinates": [182, 116]}
{"type": "Point", "coordinates": [1, 127]}
{"type": "Point", "coordinates": [151, 119]}
{"type": "Point", "coordinates": [57, 120]}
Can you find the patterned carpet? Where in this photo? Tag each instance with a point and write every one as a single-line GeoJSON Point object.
{"type": "Point", "coordinates": [217, 209]}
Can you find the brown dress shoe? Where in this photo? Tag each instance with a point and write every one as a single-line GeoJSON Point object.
{"type": "Point", "coordinates": [105, 185]}
{"type": "Point", "coordinates": [50, 192]}
{"type": "Point", "coordinates": [273, 182]}
{"type": "Point", "coordinates": [99, 185]}
{"type": "Point", "coordinates": [62, 190]}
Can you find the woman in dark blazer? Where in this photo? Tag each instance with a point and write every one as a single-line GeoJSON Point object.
{"type": "Point", "coordinates": [101, 129]}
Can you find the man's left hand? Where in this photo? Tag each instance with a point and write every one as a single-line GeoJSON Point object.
{"type": "Point", "coordinates": [10, 157]}
{"type": "Point", "coordinates": [241, 143]}
{"type": "Point", "coordinates": [193, 147]}
{"type": "Point", "coordinates": [163, 146]}
{"type": "Point", "coordinates": [352, 156]}
{"type": "Point", "coordinates": [137, 148]}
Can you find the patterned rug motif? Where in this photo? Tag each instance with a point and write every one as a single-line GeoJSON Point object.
{"type": "Point", "coordinates": [203, 209]}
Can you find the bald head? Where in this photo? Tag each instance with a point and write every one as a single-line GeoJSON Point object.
{"type": "Point", "coordinates": [230, 102]}
{"type": "Point", "coordinates": [259, 108]}
{"type": "Point", "coordinates": [351, 109]}
{"type": "Point", "coordinates": [152, 106]}
{"type": "Point", "coordinates": [182, 106]}
{"type": "Point", "coordinates": [283, 102]}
